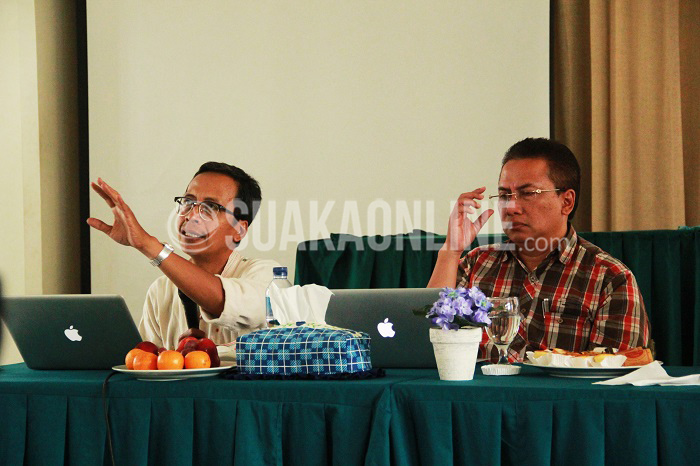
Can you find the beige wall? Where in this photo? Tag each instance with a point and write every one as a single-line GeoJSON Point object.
{"type": "Point", "coordinates": [38, 143]}
{"type": "Point", "coordinates": [12, 264]}
{"type": "Point", "coordinates": [361, 101]}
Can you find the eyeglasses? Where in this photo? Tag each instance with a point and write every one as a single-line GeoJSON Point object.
{"type": "Point", "coordinates": [524, 196]}
{"type": "Point", "coordinates": [207, 209]}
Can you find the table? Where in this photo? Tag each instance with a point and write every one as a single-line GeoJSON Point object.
{"type": "Point", "coordinates": [535, 419]}
{"type": "Point", "coordinates": [49, 416]}
{"type": "Point", "coordinates": [408, 417]}
{"type": "Point", "coordinates": [666, 264]}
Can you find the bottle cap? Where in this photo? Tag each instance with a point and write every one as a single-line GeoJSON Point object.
{"type": "Point", "coordinates": [279, 271]}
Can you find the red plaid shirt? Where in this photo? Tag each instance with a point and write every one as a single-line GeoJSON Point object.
{"type": "Point", "coordinates": [594, 299]}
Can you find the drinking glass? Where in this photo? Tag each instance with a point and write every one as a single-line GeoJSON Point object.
{"type": "Point", "coordinates": [505, 322]}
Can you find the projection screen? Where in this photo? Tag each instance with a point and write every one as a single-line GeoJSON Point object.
{"type": "Point", "coordinates": [363, 117]}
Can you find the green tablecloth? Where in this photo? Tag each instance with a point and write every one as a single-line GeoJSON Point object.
{"type": "Point", "coordinates": [49, 416]}
{"type": "Point", "coordinates": [665, 262]}
{"type": "Point", "coordinates": [408, 417]}
{"type": "Point", "coordinates": [535, 419]}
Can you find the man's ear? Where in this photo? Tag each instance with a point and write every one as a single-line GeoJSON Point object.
{"type": "Point", "coordinates": [240, 229]}
{"type": "Point", "coordinates": [568, 199]}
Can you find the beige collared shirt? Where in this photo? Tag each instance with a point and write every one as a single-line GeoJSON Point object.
{"type": "Point", "coordinates": [244, 282]}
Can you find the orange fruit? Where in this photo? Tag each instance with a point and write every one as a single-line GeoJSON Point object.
{"type": "Point", "coordinates": [144, 361]}
{"type": "Point", "coordinates": [197, 360]}
{"type": "Point", "coordinates": [129, 360]}
{"type": "Point", "coordinates": [170, 360]}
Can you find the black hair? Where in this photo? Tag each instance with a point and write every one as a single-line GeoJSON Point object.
{"type": "Point", "coordinates": [564, 170]}
{"type": "Point", "coordinates": [249, 196]}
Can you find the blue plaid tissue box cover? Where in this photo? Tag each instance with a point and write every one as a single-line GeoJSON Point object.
{"type": "Point", "coordinates": [303, 349]}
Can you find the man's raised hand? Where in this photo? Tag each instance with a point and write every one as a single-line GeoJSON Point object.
{"type": "Point", "coordinates": [461, 231]}
{"type": "Point", "coordinates": [126, 229]}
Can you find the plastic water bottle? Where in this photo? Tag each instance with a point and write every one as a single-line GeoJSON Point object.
{"type": "Point", "coordinates": [279, 281]}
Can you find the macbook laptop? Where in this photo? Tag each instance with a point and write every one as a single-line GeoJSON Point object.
{"type": "Point", "coordinates": [71, 331]}
{"type": "Point", "coordinates": [399, 339]}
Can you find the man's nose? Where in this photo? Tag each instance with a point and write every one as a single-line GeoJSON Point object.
{"type": "Point", "coordinates": [194, 214]}
{"type": "Point", "coordinates": [512, 207]}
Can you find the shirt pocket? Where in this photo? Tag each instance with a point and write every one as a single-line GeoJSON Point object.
{"type": "Point", "coordinates": [572, 317]}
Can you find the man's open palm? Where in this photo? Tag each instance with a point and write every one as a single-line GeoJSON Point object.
{"type": "Point", "coordinates": [461, 231]}
{"type": "Point", "coordinates": [125, 229]}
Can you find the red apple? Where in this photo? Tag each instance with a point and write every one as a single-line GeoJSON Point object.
{"type": "Point", "coordinates": [205, 343]}
{"type": "Point", "coordinates": [189, 346]}
{"type": "Point", "coordinates": [148, 347]}
{"type": "Point", "coordinates": [209, 347]}
{"type": "Point", "coordinates": [184, 341]}
{"type": "Point", "coordinates": [161, 349]}
{"type": "Point", "coordinates": [213, 356]}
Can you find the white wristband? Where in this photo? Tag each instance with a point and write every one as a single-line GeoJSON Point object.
{"type": "Point", "coordinates": [162, 255]}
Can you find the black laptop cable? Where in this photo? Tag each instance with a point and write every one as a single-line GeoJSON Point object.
{"type": "Point", "coordinates": [191, 314]}
{"type": "Point", "coordinates": [106, 411]}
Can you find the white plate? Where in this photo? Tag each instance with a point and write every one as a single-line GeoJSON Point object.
{"type": "Point", "coordinates": [586, 372]}
{"type": "Point", "coordinates": [174, 374]}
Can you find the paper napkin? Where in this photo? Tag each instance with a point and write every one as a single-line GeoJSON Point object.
{"type": "Point", "coordinates": [306, 303]}
{"type": "Point", "coordinates": [652, 374]}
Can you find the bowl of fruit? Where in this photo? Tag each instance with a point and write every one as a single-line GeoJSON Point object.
{"type": "Point", "coordinates": [194, 357]}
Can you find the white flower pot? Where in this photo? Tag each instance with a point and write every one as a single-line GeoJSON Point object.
{"type": "Point", "coordinates": [456, 351]}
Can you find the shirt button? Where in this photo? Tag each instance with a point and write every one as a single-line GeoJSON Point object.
{"type": "Point", "coordinates": [560, 320]}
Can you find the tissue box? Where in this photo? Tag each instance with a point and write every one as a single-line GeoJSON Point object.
{"type": "Point", "coordinates": [303, 349]}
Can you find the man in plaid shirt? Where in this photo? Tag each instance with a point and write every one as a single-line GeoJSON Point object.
{"type": "Point", "coordinates": [572, 294]}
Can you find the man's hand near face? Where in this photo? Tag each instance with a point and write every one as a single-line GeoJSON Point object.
{"type": "Point", "coordinates": [202, 286]}
{"type": "Point", "coordinates": [461, 232]}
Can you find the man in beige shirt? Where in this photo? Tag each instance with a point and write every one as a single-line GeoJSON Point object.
{"type": "Point", "coordinates": [223, 292]}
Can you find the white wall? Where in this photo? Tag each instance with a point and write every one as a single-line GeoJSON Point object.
{"type": "Point", "coordinates": [13, 149]}
{"type": "Point", "coordinates": [38, 152]}
{"type": "Point", "coordinates": [356, 101]}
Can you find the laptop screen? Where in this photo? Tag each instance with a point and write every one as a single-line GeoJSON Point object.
{"type": "Point", "coordinates": [71, 331]}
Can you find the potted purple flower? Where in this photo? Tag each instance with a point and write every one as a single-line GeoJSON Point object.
{"type": "Point", "coordinates": [457, 308]}
{"type": "Point", "coordinates": [457, 318]}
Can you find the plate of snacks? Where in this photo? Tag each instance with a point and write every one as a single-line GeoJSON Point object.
{"type": "Point", "coordinates": [601, 363]}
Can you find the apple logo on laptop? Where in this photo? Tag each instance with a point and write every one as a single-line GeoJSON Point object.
{"type": "Point", "coordinates": [386, 328]}
{"type": "Point", "coordinates": [72, 334]}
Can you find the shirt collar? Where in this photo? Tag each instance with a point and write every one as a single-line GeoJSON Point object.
{"type": "Point", "coordinates": [507, 251]}
{"type": "Point", "coordinates": [233, 260]}
{"type": "Point", "coordinates": [567, 247]}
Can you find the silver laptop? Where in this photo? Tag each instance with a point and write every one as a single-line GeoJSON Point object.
{"type": "Point", "coordinates": [71, 331]}
{"type": "Point", "coordinates": [399, 339]}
